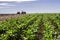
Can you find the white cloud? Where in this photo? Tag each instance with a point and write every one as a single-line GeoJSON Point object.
{"type": "Point", "coordinates": [3, 4]}
{"type": "Point", "coordinates": [6, 4]}
{"type": "Point", "coordinates": [18, 0]}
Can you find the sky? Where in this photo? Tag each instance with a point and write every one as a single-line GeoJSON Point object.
{"type": "Point", "coordinates": [30, 6]}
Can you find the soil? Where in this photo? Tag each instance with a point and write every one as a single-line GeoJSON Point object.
{"type": "Point", "coordinates": [7, 16]}
{"type": "Point", "coordinates": [40, 35]}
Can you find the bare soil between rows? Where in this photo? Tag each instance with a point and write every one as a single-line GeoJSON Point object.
{"type": "Point", "coordinates": [40, 35]}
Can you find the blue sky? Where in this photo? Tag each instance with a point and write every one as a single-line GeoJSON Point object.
{"type": "Point", "coordinates": [30, 6]}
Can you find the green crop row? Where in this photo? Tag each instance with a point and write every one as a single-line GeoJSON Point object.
{"type": "Point", "coordinates": [31, 27]}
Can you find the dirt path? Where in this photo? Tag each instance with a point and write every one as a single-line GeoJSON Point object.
{"type": "Point", "coordinates": [8, 16]}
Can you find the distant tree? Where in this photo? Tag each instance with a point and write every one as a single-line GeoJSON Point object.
{"type": "Point", "coordinates": [18, 12]}
{"type": "Point", "coordinates": [23, 12]}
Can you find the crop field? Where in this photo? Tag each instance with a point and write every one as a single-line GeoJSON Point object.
{"type": "Point", "coordinates": [31, 27]}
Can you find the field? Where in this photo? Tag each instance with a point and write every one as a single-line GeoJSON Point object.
{"type": "Point", "coordinates": [7, 16]}
{"type": "Point", "coordinates": [31, 27]}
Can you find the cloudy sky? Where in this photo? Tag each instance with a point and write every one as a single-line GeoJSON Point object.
{"type": "Point", "coordinates": [30, 6]}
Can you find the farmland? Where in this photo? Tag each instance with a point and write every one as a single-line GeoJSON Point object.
{"type": "Point", "coordinates": [8, 16]}
{"type": "Point", "coordinates": [31, 27]}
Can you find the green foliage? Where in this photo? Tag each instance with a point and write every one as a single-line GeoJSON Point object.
{"type": "Point", "coordinates": [27, 27]}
